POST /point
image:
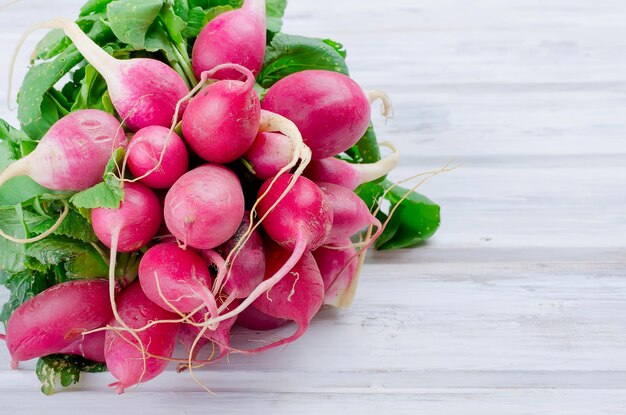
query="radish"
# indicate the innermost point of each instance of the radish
(253, 319)
(131, 226)
(142, 356)
(331, 111)
(269, 153)
(156, 158)
(338, 268)
(236, 37)
(205, 206)
(73, 154)
(247, 263)
(336, 171)
(90, 346)
(54, 320)
(300, 222)
(296, 297)
(220, 123)
(143, 91)
(350, 213)
(175, 279)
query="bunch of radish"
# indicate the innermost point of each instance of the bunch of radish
(216, 251)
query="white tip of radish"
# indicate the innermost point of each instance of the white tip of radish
(386, 108)
(372, 171)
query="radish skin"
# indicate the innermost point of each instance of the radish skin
(55, 319)
(143, 91)
(297, 297)
(183, 279)
(132, 361)
(269, 153)
(73, 154)
(253, 319)
(330, 109)
(221, 121)
(237, 37)
(90, 346)
(135, 223)
(205, 206)
(338, 268)
(351, 176)
(156, 158)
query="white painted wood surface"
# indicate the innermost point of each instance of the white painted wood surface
(518, 306)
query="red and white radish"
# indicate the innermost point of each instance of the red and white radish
(331, 110)
(54, 320)
(269, 153)
(175, 279)
(131, 226)
(143, 91)
(351, 176)
(338, 268)
(236, 36)
(74, 152)
(135, 357)
(350, 213)
(157, 158)
(205, 206)
(221, 121)
(296, 297)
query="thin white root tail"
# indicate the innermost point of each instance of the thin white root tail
(386, 108)
(47, 233)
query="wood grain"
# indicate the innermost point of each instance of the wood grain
(518, 305)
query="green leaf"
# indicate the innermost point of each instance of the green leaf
(108, 194)
(131, 19)
(74, 225)
(94, 7)
(337, 46)
(53, 43)
(415, 220)
(15, 222)
(23, 286)
(367, 147)
(199, 17)
(275, 10)
(289, 54)
(37, 111)
(64, 370)
(92, 90)
(181, 8)
(81, 260)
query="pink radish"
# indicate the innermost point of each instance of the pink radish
(205, 206)
(336, 171)
(299, 219)
(338, 268)
(156, 157)
(90, 346)
(220, 123)
(331, 111)
(253, 319)
(73, 154)
(350, 213)
(131, 226)
(54, 320)
(133, 360)
(236, 37)
(247, 263)
(269, 153)
(175, 279)
(296, 297)
(144, 91)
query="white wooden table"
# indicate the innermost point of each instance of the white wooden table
(518, 305)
